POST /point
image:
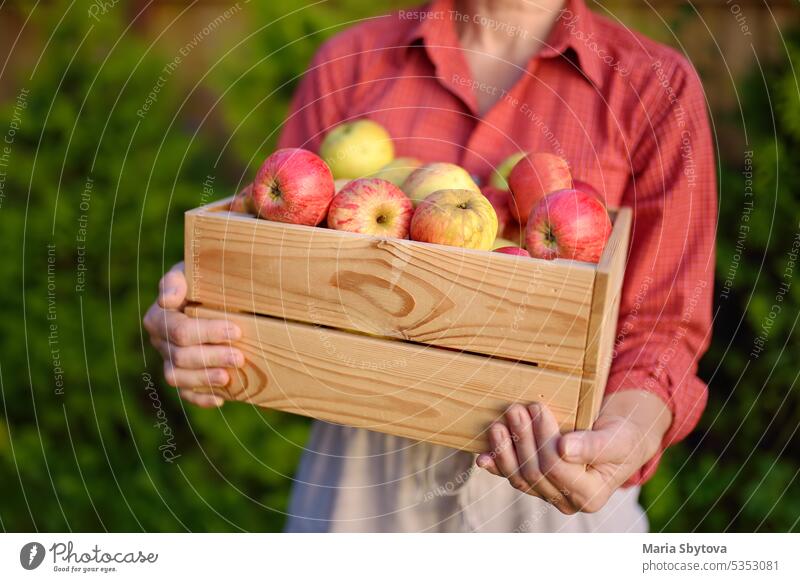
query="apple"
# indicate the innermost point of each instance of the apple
(589, 189)
(293, 185)
(357, 149)
(241, 202)
(371, 206)
(397, 170)
(501, 201)
(568, 224)
(456, 217)
(437, 176)
(512, 250)
(534, 177)
(499, 178)
(515, 233)
(502, 242)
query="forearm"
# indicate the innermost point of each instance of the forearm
(646, 410)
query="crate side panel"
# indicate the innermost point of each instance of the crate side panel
(420, 392)
(482, 302)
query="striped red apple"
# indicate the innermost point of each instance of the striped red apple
(293, 185)
(534, 177)
(371, 206)
(568, 224)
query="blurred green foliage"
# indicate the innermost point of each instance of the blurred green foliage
(739, 470)
(83, 164)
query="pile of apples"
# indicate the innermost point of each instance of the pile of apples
(356, 184)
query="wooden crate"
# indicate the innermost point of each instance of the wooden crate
(446, 337)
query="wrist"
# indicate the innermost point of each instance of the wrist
(648, 413)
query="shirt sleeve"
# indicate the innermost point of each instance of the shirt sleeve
(319, 103)
(664, 325)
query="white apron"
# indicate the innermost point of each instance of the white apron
(354, 480)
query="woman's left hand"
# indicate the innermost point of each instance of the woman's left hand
(577, 471)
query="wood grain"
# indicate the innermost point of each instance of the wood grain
(489, 303)
(603, 321)
(420, 392)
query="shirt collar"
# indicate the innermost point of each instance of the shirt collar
(573, 30)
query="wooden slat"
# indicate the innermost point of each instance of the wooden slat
(489, 303)
(420, 392)
(603, 321)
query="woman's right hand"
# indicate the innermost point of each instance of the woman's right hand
(195, 351)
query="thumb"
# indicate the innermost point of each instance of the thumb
(172, 288)
(592, 447)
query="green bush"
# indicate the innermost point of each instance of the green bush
(739, 470)
(83, 449)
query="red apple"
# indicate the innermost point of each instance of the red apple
(568, 224)
(513, 251)
(589, 189)
(500, 200)
(515, 233)
(293, 185)
(371, 206)
(534, 177)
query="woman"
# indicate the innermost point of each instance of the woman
(470, 82)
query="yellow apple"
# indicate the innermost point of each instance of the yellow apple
(501, 242)
(357, 149)
(437, 176)
(397, 170)
(500, 174)
(461, 218)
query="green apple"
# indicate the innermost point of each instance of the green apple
(397, 170)
(500, 174)
(357, 149)
(437, 176)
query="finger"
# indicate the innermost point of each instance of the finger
(172, 288)
(159, 321)
(485, 461)
(571, 480)
(203, 400)
(546, 433)
(204, 356)
(207, 378)
(505, 456)
(521, 427)
(593, 447)
(184, 331)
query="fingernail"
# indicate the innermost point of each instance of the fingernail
(483, 461)
(232, 332)
(236, 360)
(516, 416)
(219, 379)
(536, 411)
(170, 291)
(572, 447)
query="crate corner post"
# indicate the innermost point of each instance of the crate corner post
(602, 331)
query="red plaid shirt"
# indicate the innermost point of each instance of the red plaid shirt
(627, 113)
